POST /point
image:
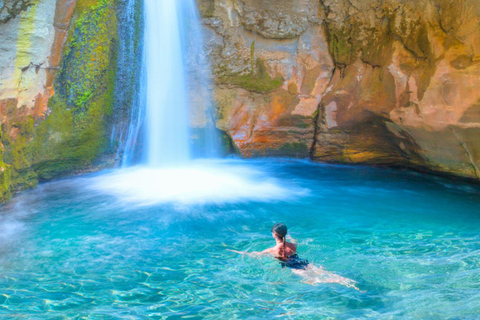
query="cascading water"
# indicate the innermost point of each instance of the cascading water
(159, 164)
(166, 104)
(128, 96)
(174, 65)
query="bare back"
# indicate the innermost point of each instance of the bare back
(290, 249)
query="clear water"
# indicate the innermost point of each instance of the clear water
(72, 248)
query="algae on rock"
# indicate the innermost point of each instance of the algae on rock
(71, 134)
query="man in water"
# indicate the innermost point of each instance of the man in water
(286, 252)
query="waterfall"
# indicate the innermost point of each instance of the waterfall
(174, 65)
(172, 125)
(128, 114)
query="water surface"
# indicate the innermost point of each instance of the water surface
(81, 248)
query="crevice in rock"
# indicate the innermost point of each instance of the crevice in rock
(8, 12)
(400, 39)
(316, 128)
(374, 66)
(475, 167)
(31, 64)
(412, 52)
(326, 9)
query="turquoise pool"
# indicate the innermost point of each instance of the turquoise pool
(76, 248)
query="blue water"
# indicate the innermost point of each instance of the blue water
(412, 243)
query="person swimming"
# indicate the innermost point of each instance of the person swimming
(286, 252)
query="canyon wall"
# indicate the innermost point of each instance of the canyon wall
(342, 81)
(350, 81)
(57, 80)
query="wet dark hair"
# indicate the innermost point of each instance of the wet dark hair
(280, 229)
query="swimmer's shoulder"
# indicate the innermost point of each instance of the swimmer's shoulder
(292, 245)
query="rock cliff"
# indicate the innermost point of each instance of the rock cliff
(350, 81)
(57, 78)
(344, 81)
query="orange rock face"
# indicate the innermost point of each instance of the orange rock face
(272, 67)
(358, 81)
(376, 82)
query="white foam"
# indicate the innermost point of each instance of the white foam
(9, 228)
(200, 182)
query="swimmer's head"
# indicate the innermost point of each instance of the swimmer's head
(279, 229)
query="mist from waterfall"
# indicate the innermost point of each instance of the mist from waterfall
(172, 124)
(175, 69)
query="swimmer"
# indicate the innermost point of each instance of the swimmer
(286, 252)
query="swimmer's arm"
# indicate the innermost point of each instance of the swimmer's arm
(254, 253)
(239, 252)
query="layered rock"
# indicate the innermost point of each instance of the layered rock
(271, 66)
(350, 81)
(57, 67)
(404, 87)
(31, 43)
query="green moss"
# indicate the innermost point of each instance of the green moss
(73, 135)
(340, 48)
(16, 137)
(257, 81)
(88, 55)
(5, 173)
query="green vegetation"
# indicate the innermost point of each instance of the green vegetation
(73, 133)
(4, 176)
(257, 81)
(340, 48)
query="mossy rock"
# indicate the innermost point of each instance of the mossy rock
(256, 81)
(5, 172)
(73, 133)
